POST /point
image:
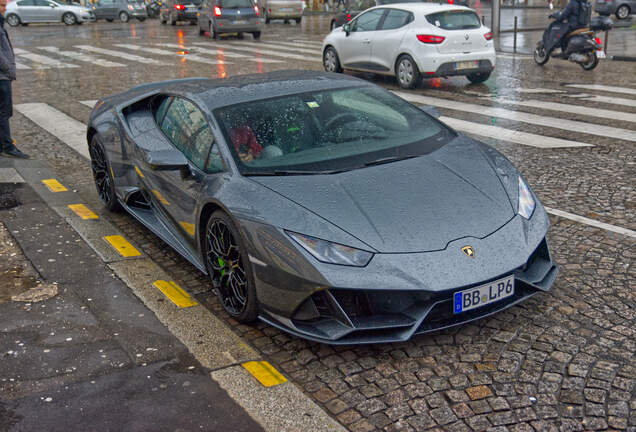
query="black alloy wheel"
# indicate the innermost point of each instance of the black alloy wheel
(622, 12)
(229, 268)
(541, 55)
(124, 17)
(103, 176)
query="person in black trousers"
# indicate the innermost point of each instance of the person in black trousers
(7, 74)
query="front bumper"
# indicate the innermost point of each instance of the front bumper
(342, 316)
(90, 17)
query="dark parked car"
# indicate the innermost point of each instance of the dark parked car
(621, 8)
(230, 16)
(323, 204)
(120, 9)
(173, 11)
(357, 6)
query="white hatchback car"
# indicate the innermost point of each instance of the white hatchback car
(412, 40)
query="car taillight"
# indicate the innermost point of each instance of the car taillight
(256, 10)
(451, 1)
(217, 11)
(488, 35)
(348, 17)
(179, 7)
(431, 39)
(598, 41)
(130, 7)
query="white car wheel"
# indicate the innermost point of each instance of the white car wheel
(69, 18)
(13, 20)
(408, 75)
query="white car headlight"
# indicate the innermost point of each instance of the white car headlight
(332, 253)
(526, 202)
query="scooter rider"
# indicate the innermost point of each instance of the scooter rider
(576, 14)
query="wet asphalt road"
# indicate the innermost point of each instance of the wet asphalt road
(561, 361)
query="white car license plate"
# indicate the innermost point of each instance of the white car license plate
(467, 65)
(191, 9)
(600, 54)
(286, 9)
(239, 22)
(484, 294)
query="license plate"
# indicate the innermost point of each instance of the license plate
(239, 22)
(600, 54)
(191, 9)
(484, 294)
(286, 9)
(467, 65)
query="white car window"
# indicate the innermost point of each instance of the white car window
(368, 21)
(395, 19)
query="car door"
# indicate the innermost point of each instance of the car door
(45, 11)
(26, 9)
(386, 42)
(185, 125)
(109, 9)
(355, 49)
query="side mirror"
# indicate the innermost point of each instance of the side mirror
(347, 28)
(167, 160)
(431, 110)
(53, 5)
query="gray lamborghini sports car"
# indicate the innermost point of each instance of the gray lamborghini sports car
(323, 204)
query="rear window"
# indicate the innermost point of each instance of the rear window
(236, 3)
(455, 20)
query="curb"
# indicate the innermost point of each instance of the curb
(623, 58)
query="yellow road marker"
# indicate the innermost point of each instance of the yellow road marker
(82, 211)
(160, 197)
(122, 246)
(138, 171)
(188, 227)
(54, 185)
(175, 293)
(265, 373)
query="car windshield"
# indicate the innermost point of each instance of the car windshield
(327, 131)
(236, 3)
(454, 20)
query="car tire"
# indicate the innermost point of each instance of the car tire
(103, 175)
(622, 12)
(161, 19)
(256, 35)
(13, 20)
(330, 60)
(109, 19)
(213, 33)
(124, 17)
(25, 24)
(201, 31)
(69, 18)
(298, 20)
(333, 25)
(406, 71)
(229, 268)
(478, 78)
(141, 19)
(240, 35)
(540, 55)
(286, 21)
(592, 63)
(267, 20)
(171, 20)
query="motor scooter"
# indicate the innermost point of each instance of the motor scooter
(581, 45)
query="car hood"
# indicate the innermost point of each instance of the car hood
(415, 205)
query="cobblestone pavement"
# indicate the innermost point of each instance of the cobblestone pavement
(561, 361)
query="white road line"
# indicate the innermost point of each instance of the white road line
(19, 65)
(68, 130)
(514, 57)
(600, 87)
(572, 109)
(308, 42)
(591, 222)
(300, 45)
(509, 135)
(44, 60)
(606, 99)
(83, 57)
(280, 47)
(188, 57)
(89, 103)
(539, 90)
(221, 52)
(553, 122)
(258, 51)
(120, 54)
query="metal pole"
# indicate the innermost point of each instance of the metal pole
(514, 46)
(606, 40)
(483, 20)
(494, 19)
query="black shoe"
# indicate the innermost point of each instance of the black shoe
(13, 152)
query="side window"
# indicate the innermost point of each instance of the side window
(161, 109)
(26, 3)
(395, 19)
(368, 21)
(185, 125)
(215, 161)
(42, 3)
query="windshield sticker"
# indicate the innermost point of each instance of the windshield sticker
(312, 104)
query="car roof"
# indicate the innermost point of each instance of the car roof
(425, 8)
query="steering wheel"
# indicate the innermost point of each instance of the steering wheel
(340, 118)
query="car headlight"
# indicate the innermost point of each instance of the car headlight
(332, 253)
(526, 201)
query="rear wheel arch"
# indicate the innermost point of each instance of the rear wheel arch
(90, 134)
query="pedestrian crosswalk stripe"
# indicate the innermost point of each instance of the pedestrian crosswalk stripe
(308, 42)
(300, 45)
(510, 135)
(89, 103)
(223, 53)
(572, 109)
(120, 54)
(539, 90)
(554, 122)
(611, 89)
(19, 65)
(257, 50)
(606, 99)
(157, 51)
(280, 47)
(66, 129)
(82, 57)
(43, 60)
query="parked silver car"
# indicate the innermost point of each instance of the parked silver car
(37, 11)
(123, 10)
(621, 8)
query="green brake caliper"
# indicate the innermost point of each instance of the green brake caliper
(222, 264)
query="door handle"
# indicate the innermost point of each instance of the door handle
(366, 41)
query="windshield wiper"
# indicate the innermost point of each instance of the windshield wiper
(290, 172)
(389, 160)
